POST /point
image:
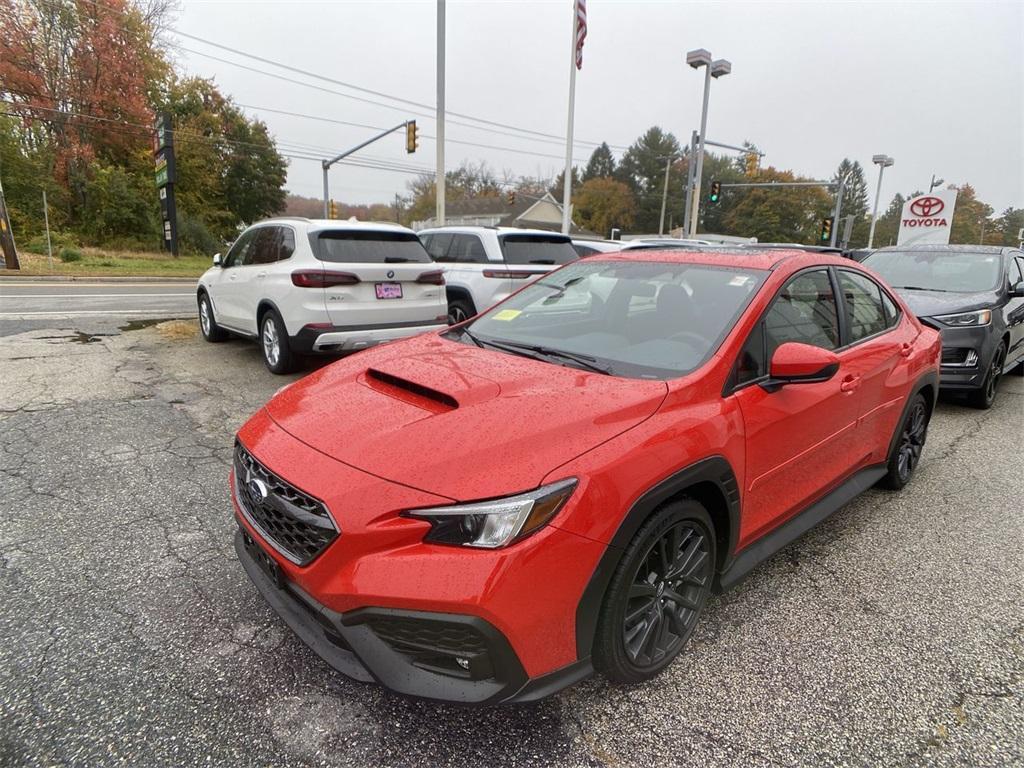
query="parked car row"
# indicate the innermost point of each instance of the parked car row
(303, 286)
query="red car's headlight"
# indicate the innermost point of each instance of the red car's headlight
(495, 523)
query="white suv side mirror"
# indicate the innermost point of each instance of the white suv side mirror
(216, 260)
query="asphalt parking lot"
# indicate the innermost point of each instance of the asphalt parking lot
(890, 635)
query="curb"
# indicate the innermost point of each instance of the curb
(14, 278)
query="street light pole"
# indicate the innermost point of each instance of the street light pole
(883, 162)
(664, 196)
(697, 59)
(935, 183)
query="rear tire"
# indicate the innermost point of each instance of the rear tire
(906, 453)
(207, 323)
(460, 309)
(656, 594)
(984, 397)
(277, 352)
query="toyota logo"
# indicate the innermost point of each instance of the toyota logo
(927, 206)
(391, 273)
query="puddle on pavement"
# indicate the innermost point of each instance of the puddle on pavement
(138, 325)
(78, 337)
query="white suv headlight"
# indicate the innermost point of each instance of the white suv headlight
(495, 523)
(966, 319)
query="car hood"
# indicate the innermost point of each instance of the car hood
(932, 303)
(459, 421)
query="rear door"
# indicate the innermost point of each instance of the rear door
(378, 278)
(875, 342)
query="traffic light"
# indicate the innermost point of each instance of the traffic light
(412, 137)
(510, 197)
(826, 229)
(333, 210)
(716, 192)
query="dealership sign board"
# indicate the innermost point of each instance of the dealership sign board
(927, 219)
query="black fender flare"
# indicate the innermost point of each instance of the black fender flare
(714, 470)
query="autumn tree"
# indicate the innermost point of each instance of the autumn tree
(970, 216)
(783, 214)
(467, 181)
(602, 203)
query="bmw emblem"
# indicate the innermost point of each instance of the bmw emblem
(391, 273)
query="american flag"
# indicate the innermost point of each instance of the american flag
(581, 30)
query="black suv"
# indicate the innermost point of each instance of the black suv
(974, 295)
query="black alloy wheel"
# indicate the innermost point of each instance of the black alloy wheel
(657, 593)
(984, 397)
(910, 441)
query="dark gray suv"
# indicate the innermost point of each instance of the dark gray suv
(973, 295)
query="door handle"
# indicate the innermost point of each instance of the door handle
(232, 276)
(849, 384)
(261, 274)
(906, 348)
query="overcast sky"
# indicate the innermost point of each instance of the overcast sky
(938, 86)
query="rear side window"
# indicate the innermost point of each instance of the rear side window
(367, 247)
(272, 244)
(537, 249)
(467, 248)
(865, 313)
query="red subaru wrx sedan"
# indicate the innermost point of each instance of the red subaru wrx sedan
(490, 513)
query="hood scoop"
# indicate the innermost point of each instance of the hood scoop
(419, 395)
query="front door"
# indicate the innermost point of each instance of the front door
(226, 290)
(801, 437)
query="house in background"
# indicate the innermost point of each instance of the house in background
(526, 213)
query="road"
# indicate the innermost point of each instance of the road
(93, 307)
(889, 635)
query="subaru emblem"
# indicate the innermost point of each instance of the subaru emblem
(257, 489)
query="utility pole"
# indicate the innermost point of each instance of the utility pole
(687, 208)
(46, 221)
(439, 171)
(664, 196)
(7, 236)
(835, 213)
(398, 209)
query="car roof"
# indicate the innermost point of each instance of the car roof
(476, 228)
(748, 258)
(956, 248)
(336, 224)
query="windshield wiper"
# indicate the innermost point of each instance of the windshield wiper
(465, 332)
(559, 289)
(584, 360)
(919, 288)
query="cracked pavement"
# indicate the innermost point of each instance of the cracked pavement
(889, 635)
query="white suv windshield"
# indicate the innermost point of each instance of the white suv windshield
(634, 319)
(949, 271)
(537, 249)
(367, 247)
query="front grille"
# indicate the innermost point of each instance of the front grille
(296, 524)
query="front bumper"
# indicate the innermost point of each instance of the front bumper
(957, 345)
(312, 340)
(445, 656)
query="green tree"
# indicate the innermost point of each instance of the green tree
(602, 203)
(557, 188)
(1009, 226)
(118, 204)
(888, 225)
(601, 164)
(784, 214)
(642, 169)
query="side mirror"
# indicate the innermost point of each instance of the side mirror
(1017, 291)
(217, 260)
(795, 363)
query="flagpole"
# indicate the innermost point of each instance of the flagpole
(567, 178)
(439, 177)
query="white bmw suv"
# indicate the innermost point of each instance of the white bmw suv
(303, 286)
(483, 265)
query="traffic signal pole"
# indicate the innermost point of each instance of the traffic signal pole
(326, 164)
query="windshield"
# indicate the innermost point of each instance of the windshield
(625, 318)
(951, 271)
(342, 246)
(537, 249)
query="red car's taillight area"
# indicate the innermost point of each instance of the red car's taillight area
(435, 277)
(319, 278)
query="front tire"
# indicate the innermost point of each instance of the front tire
(656, 594)
(277, 352)
(207, 323)
(906, 454)
(985, 397)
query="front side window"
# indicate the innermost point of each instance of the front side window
(347, 246)
(943, 271)
(862, 301)
(537, 249)
(654, 320)
(239, 255)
